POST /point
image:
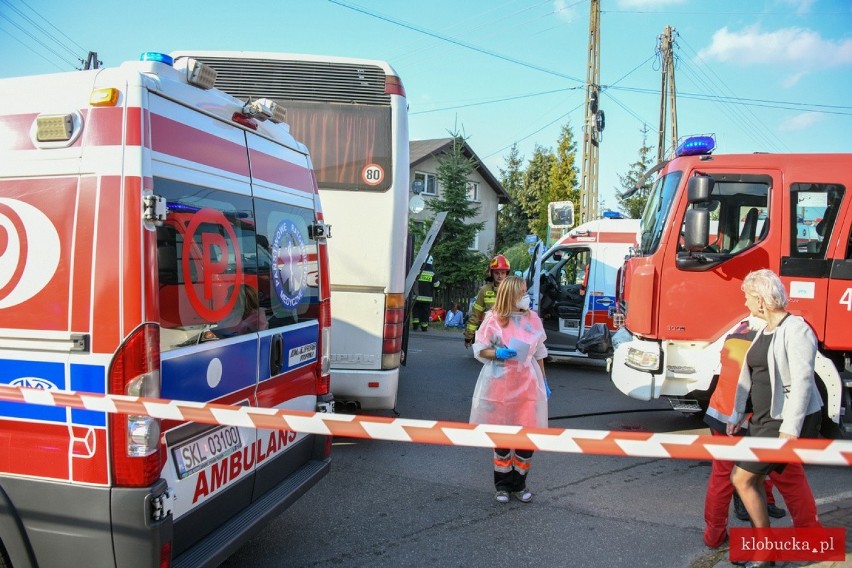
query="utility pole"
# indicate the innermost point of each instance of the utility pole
(593, 123)
(667, 93)
(92, 61)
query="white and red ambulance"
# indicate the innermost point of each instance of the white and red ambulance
(577, 279)
(157, 238)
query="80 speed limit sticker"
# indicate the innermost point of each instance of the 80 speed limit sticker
(372, 174)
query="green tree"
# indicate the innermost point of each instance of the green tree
(512, 222)
(633, 205)
(563, 175)
(454, 262)
(537, 189)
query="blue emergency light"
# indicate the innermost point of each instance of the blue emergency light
(158, 57)
(696, 146)
(612, 215)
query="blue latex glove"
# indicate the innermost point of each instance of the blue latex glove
(505, 353)
(547, 389)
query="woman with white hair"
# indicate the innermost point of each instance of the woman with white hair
(778, 377)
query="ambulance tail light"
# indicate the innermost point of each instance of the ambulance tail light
(324, 364)
(135, 440)
(393, 328)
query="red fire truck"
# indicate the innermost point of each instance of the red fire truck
(709, 221)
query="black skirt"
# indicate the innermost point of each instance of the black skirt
(769, 429)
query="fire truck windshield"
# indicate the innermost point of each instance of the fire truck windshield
(657, 211)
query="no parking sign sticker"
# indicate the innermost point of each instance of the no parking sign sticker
(211, 260)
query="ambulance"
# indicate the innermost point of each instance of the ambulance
(158, 238)
(577, 278)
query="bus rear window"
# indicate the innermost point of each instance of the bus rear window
(350, 144)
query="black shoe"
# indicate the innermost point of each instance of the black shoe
(775, 512)
(739, 509)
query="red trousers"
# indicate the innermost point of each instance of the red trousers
(791, 483)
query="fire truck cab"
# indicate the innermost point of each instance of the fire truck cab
(158, 238)
(709, 221)
(577, 278)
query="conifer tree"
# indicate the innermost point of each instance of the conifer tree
(512, 222)
(634, 205)
(537, 189)
(453, 260)
(563, 176)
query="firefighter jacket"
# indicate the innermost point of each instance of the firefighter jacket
(484, 301)
(426, 283)
(732, 359)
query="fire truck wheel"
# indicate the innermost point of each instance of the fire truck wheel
(830, 429)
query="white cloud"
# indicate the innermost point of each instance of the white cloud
(563, 11)
(800, 48)
(800, 122)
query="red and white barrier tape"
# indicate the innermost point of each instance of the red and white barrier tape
(603, 442)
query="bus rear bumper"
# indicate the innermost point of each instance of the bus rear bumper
(370, 390)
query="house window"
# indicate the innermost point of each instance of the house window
(472, 191)
(474, 244)
(428, 182)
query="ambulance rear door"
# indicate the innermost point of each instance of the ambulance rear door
(208, 298)
(286, 271)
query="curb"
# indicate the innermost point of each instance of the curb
(837, 514)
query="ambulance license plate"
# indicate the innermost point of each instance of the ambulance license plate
(201, 451)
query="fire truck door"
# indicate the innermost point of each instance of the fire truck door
(838, 317)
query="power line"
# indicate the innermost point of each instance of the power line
(458, 42)
(742, 111)
(35, 39)
(499, 100)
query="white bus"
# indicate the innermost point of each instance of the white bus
(353, 116)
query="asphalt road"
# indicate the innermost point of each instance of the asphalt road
(400, 504)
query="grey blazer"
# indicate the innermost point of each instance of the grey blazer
(792, 354)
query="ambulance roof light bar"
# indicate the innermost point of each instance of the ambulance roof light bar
(263, 109)
(197, 73)
(157, 57)
(696, 145)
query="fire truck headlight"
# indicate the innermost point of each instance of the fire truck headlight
(643, 360)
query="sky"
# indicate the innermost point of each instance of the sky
(761, 75)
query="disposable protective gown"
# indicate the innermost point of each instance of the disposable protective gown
(510, 391)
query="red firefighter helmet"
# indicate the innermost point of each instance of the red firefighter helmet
(499, 262)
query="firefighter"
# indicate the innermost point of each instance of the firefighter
(426, 284)
(498, 270)
(791, 483)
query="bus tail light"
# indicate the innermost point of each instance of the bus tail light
(392, 331)
(135, 440)
(393, 86)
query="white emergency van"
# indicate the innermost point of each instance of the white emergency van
(577, 281)
(158, 238)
